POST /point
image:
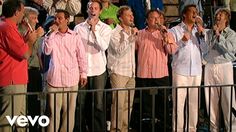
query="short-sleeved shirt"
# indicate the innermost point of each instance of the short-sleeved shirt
(13, 67)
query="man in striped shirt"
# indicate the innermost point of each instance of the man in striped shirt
(121, 66)
(68, 66)
(153, 45)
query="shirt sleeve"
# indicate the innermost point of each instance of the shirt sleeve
(47, 45)
(171, 47)
(82, 58)
(120, 43)
(227, 43)
(102, 37)
(15, 43)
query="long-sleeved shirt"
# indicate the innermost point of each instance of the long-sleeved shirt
(152, 54)
(187, 60)
(95, 44)
(68, 58)
(220, 50)
(121, 53)
(72, 6)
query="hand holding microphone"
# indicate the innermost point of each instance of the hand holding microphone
(134, 30)
(216, 30)
(52, 28)
(92, 22)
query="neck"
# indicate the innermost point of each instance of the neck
(189, 25)
(125, 27)
(151, 29)
(63, 30)
(105, 4)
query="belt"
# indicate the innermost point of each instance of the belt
(34, 68)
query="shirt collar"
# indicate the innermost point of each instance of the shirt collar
(68, 31)
(10, 22)
(87, 25)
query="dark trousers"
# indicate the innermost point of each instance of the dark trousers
(94, 108)
(158, 98)
(33, 101)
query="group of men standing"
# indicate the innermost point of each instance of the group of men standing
(79, 57)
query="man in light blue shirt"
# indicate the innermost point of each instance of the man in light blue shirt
(187, 70)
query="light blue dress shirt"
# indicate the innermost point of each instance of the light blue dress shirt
(187, 60)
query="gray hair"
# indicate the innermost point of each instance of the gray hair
(30, 10)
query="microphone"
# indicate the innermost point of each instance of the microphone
(49, 32)
(161, 28)
(132, 25)
(26, 20)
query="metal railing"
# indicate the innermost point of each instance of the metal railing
(138, 120)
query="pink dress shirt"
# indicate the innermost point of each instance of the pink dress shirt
(152, 54)
(68, 59)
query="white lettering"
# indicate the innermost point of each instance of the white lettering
(32, 121)
(11, 121)
(22, 121)
(41, 123)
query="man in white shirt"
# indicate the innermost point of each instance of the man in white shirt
(121, 66)
(95, 36)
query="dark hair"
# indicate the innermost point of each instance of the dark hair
(10, 7)
(151, 11)
(97, 1)
(186, 9)
(66, 13)
(122, 9)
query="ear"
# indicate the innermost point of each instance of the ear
(120, 19)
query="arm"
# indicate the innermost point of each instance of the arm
(73, 7)
(102, 37)
(120, 43)
(82, 61)
(170, 46)
(227, 43)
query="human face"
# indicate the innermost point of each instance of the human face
(153, 19)
(190, 15)
(162, 19)
(60, 20)
(94, 9)
(20, 13)
(221, 19)
(33, 19)
(127, 18)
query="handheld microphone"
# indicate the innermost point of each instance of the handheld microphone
(161, 28)
(27, 22)
(49, 32)
(132, 25)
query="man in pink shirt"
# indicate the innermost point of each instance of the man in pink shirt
(153, 45)
(68, 66)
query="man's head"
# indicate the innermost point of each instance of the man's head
(222, 17)
(13, 9)
(153, 18)
(40, 2)
(94, 8)
(189, 13)
(62, 18)
(125, 15)
(31, 15)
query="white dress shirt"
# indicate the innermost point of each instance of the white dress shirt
(121, 53)
(95, 45)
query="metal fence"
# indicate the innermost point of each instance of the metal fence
(160, 116)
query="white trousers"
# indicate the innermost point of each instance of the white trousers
(220, 74)
(178, 105)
